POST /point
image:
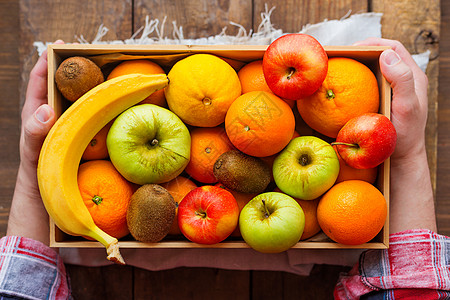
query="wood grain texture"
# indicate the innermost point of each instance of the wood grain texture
(199, 19)
(416, 24)
(443, 147)
(9, 108)
(292, 15)
(49, 21)
(191, 283)
(280, 285)
(110, 282)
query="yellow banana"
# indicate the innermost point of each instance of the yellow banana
(65, 143)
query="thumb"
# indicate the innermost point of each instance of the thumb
(34, 132)
(398, 74)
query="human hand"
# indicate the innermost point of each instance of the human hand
(28, 217)
(412, 204)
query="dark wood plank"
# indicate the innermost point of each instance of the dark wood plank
(291, 16)
(9, 108)
(282, 285)
(191, 283)
(443, 146)
(318, 285)
(200, 18)
(417, 24)
(111, 282)
(49, 21)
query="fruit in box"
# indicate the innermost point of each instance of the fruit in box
(295, 65)
(149, 144)
(259, 123)
(77, 75)
(366, 141)
(208, 215)
(349, 90)
(241, 172)
(306, 168)
(202, 88)
(151, 213)
(352, 212)
(271, 222)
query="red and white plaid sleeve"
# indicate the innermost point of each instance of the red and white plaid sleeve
(416, 266)
(31, 270)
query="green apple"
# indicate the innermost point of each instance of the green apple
(272, 222)
(149, 144)
(306, 168)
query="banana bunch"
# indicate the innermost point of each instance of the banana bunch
(65, 143)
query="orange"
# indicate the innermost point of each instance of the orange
(142, 66)
(348, 173)
(270, 159)
(349, 90)
(242, 199)
(97, 146)
(178, 188)
(252, 79)
(352, 212)
(259, 123)
(207, 144)
(311, 223)
(201, 89)
(106, 194)
(310, 210)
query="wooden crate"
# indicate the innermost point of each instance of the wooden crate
(107, 56)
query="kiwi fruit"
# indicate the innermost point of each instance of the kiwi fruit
(150, 213)
(76, 75)
(241, 172)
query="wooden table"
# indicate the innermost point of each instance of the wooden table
(420, 25)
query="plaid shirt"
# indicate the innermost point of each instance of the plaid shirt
(31, 270)
(416, 266)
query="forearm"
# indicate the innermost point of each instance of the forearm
(28, 217)
(411, 197)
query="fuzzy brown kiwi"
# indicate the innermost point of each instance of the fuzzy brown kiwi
(241, 172)
(76, 75)
(151, 213)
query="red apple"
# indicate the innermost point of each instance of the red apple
(295, 65)
(242, 199)
(208, 215)
(366, 141)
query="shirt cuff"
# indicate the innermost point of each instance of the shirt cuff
(31, 270)
(416, 259)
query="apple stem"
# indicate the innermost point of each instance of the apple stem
(154, 142)
(291, 72)
(344, 144)
(266, 211)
